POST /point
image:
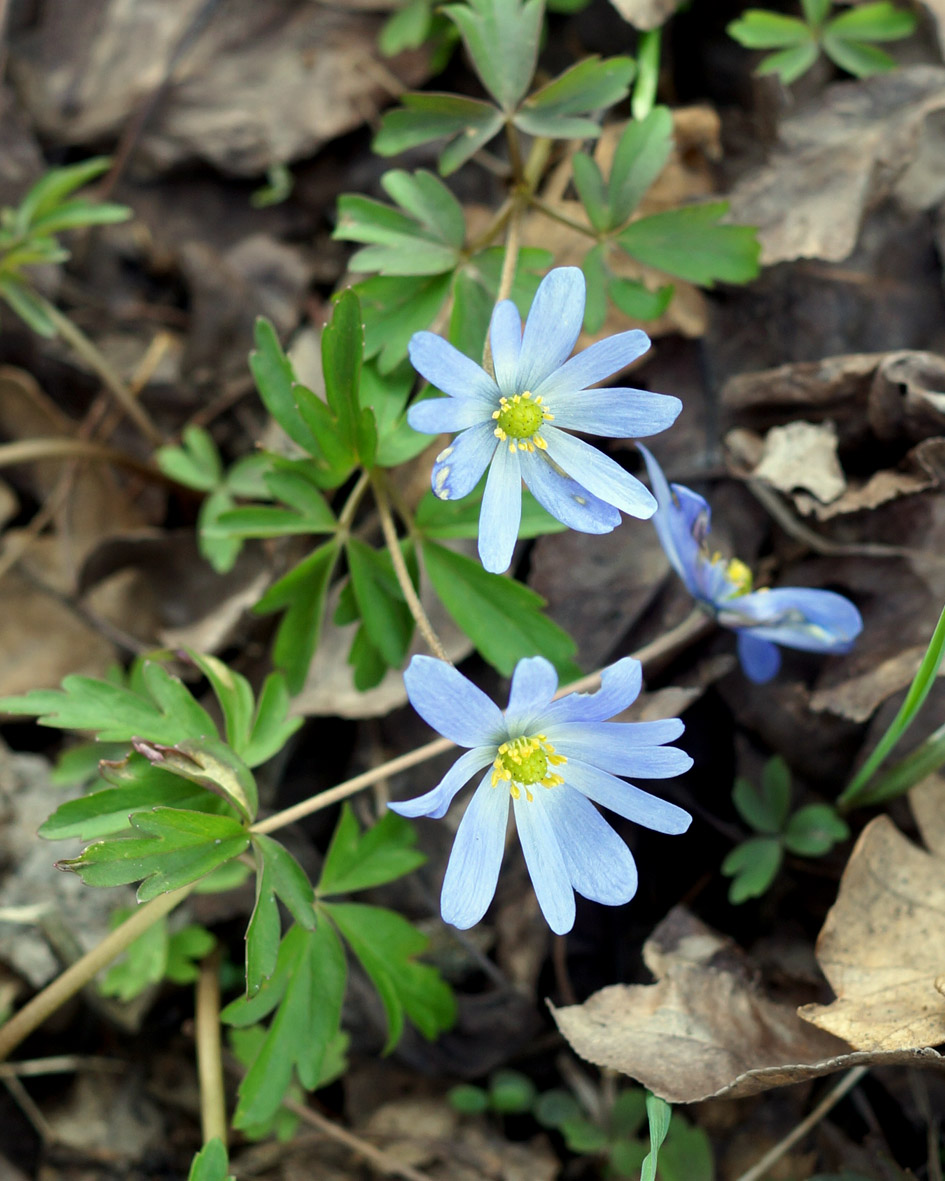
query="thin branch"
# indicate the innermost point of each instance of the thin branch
(31, 450)
(376, 1157)
(548, 211)
(213, 1122)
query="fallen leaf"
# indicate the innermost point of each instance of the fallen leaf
(705, 1029)
(803, 455)
(646, 14)
(881, 943)
(859, 697)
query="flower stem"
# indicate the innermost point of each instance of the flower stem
(548, 211)
(74, 336)
(209, 1049)
(83, 971)
(400, 568)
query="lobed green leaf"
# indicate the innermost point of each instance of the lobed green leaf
(358, 860)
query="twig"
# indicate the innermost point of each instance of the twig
(375, 1156)
(64, 987)
(830, 1100)
(213, 1121)
(400, 568)
(31, 450)
(61, 1064)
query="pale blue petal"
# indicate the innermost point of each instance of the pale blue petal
(436, 416)
(567, 500)
(436, 802)
(599, 474)
(552, 327)
(599, 864)
(505, 340)
(459, 467)
(501, 511)
(623, 748)
(451, 371)
(596, 363)
(681, 520)
(796, 616)
(545, 861)
(534, 683)
(473, 869)
(620, 686)
(626, 800)
(614, 413)
(451, 704)
(760, 659)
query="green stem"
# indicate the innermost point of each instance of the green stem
(83, 971)
(400, 568)
(213, 1121)
(537, 203)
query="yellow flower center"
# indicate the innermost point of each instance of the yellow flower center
(522, 762)
(518, 421)
(739, 574)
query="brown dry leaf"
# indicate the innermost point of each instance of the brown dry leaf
(705, 1029)
(646, 14)
(865, 141)
(803, 455)
(859, 697)
(255, 85)
(21, 161)
(881, 943)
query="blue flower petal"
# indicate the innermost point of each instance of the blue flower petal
(473, 869)
(626, 800)
(623, 748)
(599, 864)
(615, 413)
(451, 371)
(567, 500)
(505, 340)
(501, 511)
(545, 861)
(435, 416)
(599, 474)
(760, 659)
(459, 467)
(681, 521)
(603, 359)
(534, 683)
(620, 686)
(451, 704)
(552, 327)
(436, 802)
(796, 616)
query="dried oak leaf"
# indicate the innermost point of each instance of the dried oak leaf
(705, 1029)
(881, 944)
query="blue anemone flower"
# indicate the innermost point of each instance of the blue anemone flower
(505, 422)
(551, 759)
(792, 616)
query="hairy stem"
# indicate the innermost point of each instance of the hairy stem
(209, 1050)
(64, 987)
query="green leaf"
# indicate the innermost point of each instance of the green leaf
(53, 188)
(640, 157)
(628, 1113)
(144, 962)
(220, 550)
(386, 944)
(753, 865)
(178, 848)
(815, 11)
(234, 694)
(272, 727)
(583, 1137)
(501, 37)
(590, 187)
(554, 1108)
(168, 714)
(502, 617)
(187, 947)
(275, 380)
(425, 242)
(195, 464)
(757, 28)
(368, 665)
(659, 1113)
(308, 985)
(790, 64)
(872, 22)
(467, 122)
(857, 57)
(407, 28)
(74, 215)
(277, 874)
(27, 305)
(511, 1092)
(357, 861)
(426, 199)
(394, 309)
(922, 682)
(211, 1163)
(80, 764)
(467, 1100)
(813, 830)
(687, 1154)
(386, 395)
(765, 809)
(302, 593)
(441, 519)
(649, 45)
(385, 615)
(926, 759)
(636, 300)
(591, 85)
(209, 763)
(627, 1156)
(595, 271)
(342, 352)
(690, 244)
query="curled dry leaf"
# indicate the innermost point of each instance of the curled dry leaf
(803, 455)
(881, 944)
(705, 1029)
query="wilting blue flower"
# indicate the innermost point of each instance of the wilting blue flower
(551, 759)
(793, 616)
(504, 423)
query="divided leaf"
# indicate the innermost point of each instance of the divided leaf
(501, 37)
(358, 860)
(468, 123)
(591, 85)
(278, 874)
(690, 243)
